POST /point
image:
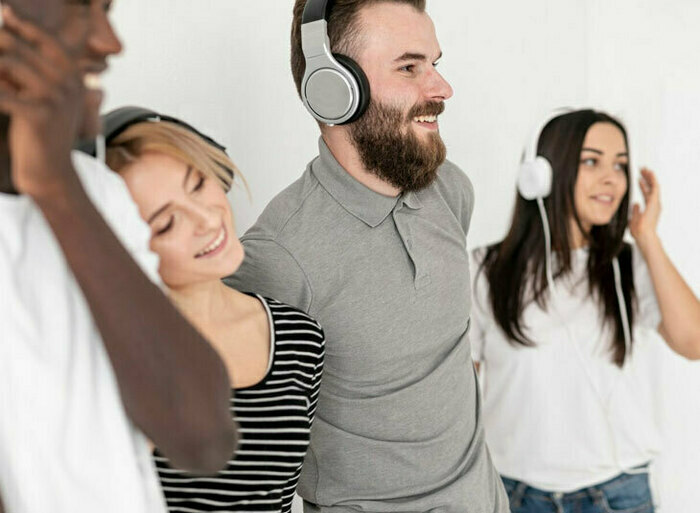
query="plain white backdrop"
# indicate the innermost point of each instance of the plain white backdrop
(223, 65)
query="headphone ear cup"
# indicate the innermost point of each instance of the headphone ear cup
(362, 82)
(535, 178)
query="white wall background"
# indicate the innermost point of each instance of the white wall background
(223, 65)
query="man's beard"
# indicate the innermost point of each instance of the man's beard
(390, 149)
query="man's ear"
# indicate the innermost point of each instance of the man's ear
(48, 14)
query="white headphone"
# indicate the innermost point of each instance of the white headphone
(535, 174)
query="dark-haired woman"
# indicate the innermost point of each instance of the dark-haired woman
(567, 405)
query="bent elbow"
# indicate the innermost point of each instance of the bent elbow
(692, 347)
(694, 354)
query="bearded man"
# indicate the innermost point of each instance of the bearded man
(371, 241)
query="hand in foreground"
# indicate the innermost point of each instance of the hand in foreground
(41, 89)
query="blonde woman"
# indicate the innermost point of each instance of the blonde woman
(274, 353)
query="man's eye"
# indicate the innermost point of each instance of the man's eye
(408, 68)
(166, 227)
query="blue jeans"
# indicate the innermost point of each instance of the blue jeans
(626, 493)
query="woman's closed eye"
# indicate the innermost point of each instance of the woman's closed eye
(200, 183)
(165, 228)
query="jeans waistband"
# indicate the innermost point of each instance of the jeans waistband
(594, 492)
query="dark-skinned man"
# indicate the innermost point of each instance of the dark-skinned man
(94, 359)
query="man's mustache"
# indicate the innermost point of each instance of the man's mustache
(427, 109)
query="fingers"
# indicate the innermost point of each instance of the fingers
(649, 186)
(12, 45)
(33, 65)
(28, 83)
(11, 105)
(634, 219)
(636, 210)
(44, 50)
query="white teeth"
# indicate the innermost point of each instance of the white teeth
(92, 81)
(425, 119)
(214, 245)
(604, 197)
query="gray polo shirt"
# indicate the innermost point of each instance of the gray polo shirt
(398, 426)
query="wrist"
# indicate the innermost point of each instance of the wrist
(60, 186)
(649, 243)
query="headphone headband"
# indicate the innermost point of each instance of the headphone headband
(316, 10)
(531, 149)
(115, 122)
(119, 120)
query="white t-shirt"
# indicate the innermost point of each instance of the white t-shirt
(66, 444)
(545, 423)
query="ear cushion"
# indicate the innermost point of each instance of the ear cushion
(362, 82)
(535, 178)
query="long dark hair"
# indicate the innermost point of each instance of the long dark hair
(515, 267)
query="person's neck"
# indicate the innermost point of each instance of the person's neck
(338, 141)
(204, 303)
(6, 185)
(577, 239)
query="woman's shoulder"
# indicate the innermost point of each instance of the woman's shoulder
(289, 316)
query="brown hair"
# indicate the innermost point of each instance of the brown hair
(343, 30)
(175, 141)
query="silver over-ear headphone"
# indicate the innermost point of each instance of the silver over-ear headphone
(334, 88)
(535, 175)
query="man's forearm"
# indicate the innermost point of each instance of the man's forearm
(173, 384)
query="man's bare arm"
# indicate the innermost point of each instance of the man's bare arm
(173, 384)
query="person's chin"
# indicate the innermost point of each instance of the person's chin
(602, 220)
(234, 262)
(92, 125)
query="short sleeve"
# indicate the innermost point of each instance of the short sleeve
(317, 375)
(270, 270)
(648, 313)
(479, 317)
(454, 185)
(108, 192)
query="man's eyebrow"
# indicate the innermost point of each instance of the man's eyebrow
(413, 56)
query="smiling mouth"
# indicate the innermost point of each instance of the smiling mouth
(215, 245)
(426, 121)
(604, 198)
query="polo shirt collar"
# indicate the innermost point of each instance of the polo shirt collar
(360, 201)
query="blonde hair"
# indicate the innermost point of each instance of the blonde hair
(175, 141)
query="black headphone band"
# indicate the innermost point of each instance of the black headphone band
(119, 120)
(316, 10)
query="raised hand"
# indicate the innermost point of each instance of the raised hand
(41, 88)
(643, 223)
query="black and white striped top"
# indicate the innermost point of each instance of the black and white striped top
(274, 419)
